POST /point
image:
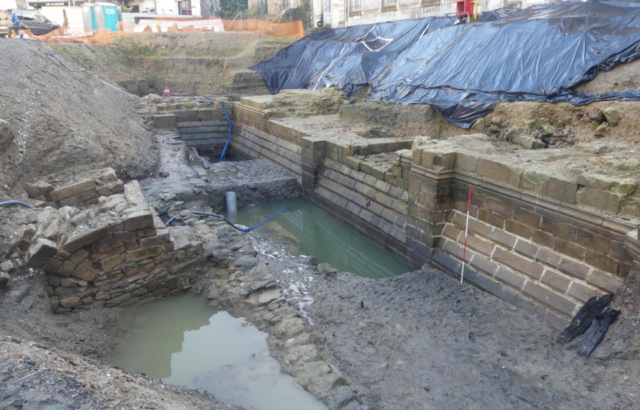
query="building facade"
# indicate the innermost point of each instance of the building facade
(345, 13)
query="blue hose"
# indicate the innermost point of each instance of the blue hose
(226, 115)
(15, 203)
(237, 227)
(229, 222)
(171, 220)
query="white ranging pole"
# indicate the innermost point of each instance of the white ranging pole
(466, 233)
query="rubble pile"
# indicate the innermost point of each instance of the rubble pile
(116, 252)
(77, 192)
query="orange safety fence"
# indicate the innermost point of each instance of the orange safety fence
(294, 29)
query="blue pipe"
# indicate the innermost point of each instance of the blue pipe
(237, 227)
(226, 115)
(171, 220)
(15, 203)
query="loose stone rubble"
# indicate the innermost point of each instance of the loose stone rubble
(114, 252)
(56, 192)
(244, 285)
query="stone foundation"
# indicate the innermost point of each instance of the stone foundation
(535, 246)
(254, 136)
(543, 241)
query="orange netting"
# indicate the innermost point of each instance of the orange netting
(293, 29)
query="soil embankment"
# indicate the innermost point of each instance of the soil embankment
(61, 119)
(188, 63)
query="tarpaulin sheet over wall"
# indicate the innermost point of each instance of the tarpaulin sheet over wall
(463, 70)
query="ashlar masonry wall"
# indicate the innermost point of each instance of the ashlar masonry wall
(534, 246)
(254, 136)
(543, 242)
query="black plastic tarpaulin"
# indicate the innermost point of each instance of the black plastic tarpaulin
(537, 54)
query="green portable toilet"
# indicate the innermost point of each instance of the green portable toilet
(100, 17)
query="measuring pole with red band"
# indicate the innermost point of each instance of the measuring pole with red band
(466, 233)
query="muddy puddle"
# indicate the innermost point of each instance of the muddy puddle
(185, 342)
(309, 231)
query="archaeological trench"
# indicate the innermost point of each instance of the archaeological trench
(115, 294)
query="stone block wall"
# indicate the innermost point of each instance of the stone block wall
(370, 206)
(256, 137)
(170, 115)
(540, 251)
(57, 193)
(540, 239)
(117, 253)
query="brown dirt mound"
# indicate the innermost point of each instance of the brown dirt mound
(624, 77)
(60, 119)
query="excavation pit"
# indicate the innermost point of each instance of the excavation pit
(184, 342)
(305, 230)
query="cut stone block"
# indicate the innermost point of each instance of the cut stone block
(499, 172)
(70, 302)
(41, 252)
(143, 253)
(52, 266)
(109, 175)
(39, 189)
(78, 199)
(138, 220)
(111, 263)
(86, 238)
(72, 190)
(603, 200)
(84, 271)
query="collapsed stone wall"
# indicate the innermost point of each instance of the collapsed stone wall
(116, 252)
(85, 191)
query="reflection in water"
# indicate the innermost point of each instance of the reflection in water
(309, 231)
(183, 341)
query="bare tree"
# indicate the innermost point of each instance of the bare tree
(210, 8)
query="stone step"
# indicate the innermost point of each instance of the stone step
(197, 124)
(204, 143)
(207, 136)
(245, 78)
(204, 130)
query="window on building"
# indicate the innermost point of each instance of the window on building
(184, 8)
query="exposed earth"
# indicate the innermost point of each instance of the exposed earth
(422, 341)
(415, 341)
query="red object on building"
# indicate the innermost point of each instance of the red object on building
(167, 92)
(464, 8)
